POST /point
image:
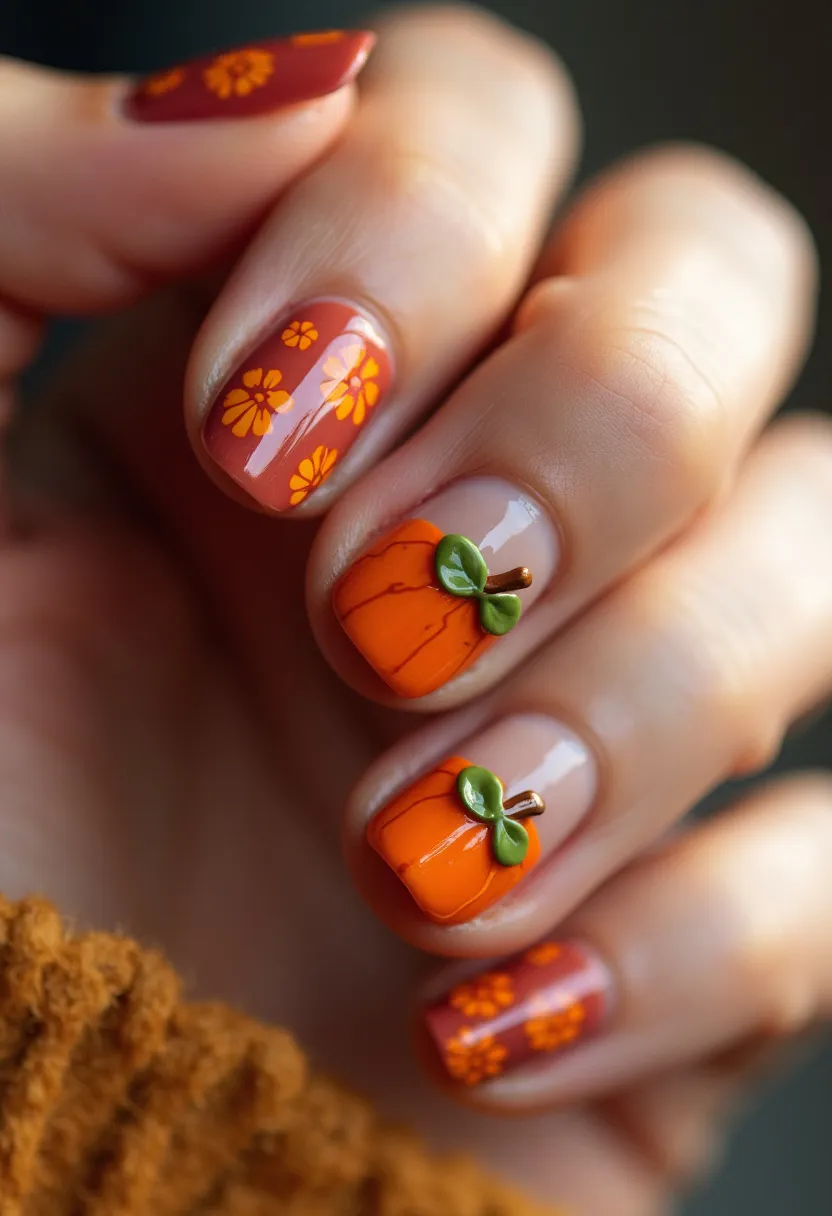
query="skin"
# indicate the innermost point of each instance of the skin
(164, 702)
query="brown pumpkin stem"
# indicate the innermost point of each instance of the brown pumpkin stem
(523, 806)
(513, 580)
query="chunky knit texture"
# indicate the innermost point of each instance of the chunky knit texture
(118, 1099)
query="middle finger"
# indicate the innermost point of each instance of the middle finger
(618, 410)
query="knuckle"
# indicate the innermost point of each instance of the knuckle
(765, 966)
(422, 192)
(707, 664)
(664, 407)
(766, 229)
(465, 34)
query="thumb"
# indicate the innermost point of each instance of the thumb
(107, 187)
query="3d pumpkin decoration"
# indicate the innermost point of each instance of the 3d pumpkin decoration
(455, 842)
(421, 606)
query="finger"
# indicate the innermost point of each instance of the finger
(617, 412)
(104, 190)
(687, 674)
(725, 933)
(379, 278)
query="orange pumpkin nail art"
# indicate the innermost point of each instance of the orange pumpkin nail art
(421, 606)
(541, 1002)
(457, 855)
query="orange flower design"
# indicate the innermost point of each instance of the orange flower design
(483, 997)
(300, 333)
(471, 1059)
(550, 1029)
(311, 472)
(542, 954)
(164, 82)
(238, 73)
(250, 408)
(321, 38)
(350, 383)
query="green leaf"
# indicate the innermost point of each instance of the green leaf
(511, 842)
(460, 567)
(481, 792)
(499, 613)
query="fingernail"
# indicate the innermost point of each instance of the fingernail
(252, 79)
(298, 402)
(449, 852)
(419, 627)
(536, 1004)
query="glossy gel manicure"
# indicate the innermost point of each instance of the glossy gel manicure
(544, 1001)
(429, 598)
(463, 835)
(252, 80)
(295, 406)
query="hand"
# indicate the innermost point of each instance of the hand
(176, 753)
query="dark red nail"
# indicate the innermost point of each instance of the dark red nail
(298, 402)
(540, 1002)
(252, 79)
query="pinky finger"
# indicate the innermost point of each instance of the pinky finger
(723, 935)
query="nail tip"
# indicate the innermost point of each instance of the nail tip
(269, 75)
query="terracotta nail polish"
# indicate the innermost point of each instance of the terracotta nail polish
(252, 79)
(426, 600)
(298, 402)
(538, 1003)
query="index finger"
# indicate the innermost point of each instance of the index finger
(384, 272)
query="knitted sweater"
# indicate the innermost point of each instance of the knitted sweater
(118, 1098)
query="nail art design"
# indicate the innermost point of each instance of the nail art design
(457, 852)
(481, 793)
(252, 80)
(299, 402)
(461, 570)
(421, 606)
(540, 1002)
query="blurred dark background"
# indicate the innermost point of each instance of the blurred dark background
(751, 78)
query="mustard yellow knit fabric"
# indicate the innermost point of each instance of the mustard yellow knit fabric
(119, 1098)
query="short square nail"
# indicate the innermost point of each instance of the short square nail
(253, 79)
(463, 835)
(294, 407)
(536, 1004)
(428, 598)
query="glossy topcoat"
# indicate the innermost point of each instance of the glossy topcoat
(252, 79)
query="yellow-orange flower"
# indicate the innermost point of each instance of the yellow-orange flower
(238, 73)
(300, 333)
(350, 382)
(542, 954)
(471, 1059)
(251, 408)
(483, 997)
(551, 1029)
(321, 38)
(164, 82)
(311, 472)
